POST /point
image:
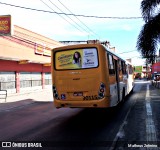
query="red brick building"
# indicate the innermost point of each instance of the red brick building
(25, 61)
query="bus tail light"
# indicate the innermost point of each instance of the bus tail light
(55, 93)
(101, 91)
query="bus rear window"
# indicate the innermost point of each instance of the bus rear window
(76, 59)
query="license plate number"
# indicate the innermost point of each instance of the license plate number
(78, 94)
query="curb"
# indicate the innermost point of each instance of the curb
(19, 100)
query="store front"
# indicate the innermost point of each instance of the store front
(25, 61)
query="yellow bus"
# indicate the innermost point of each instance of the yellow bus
(89, 75)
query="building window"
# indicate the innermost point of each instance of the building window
(130, 69)
(29, 79)
(48, 79)
(7, 80)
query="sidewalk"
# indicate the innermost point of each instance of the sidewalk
(156, 84)
(27, 98)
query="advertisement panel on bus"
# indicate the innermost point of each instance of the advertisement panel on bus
(76, 59)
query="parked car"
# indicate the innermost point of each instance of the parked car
(157, 77)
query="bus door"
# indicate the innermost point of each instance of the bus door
(117, 78)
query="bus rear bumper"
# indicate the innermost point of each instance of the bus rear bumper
(103, 103)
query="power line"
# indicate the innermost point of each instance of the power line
(61, 16)
(78, 19)
(127, 52)
(68, 16)
(40, 10)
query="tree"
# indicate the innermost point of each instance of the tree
(149, 36)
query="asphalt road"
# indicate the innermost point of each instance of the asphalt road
(133, 124)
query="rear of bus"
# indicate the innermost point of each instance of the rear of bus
(77, 76)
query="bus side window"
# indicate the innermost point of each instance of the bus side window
(130, 69)
(120, 65)
(124, 67)
(111, 64)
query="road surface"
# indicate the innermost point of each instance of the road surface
(134, 124)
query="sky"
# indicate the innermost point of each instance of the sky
(121, 33)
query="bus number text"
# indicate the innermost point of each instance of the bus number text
(93, 97)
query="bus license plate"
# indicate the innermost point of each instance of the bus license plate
(78, 94)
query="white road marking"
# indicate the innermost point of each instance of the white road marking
(121, 132)
(155, 96)
(150, 126)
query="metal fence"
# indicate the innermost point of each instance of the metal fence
(7, 85)
(7, 81)
(30, 83)
(27, 80)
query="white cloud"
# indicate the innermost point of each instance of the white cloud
(55, 27)
(108, 8)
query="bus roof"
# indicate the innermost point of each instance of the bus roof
(88, 45)
(112, 52)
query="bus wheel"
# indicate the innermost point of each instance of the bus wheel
(131, 92)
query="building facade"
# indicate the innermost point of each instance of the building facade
(156, 65)
(25, 61)
(142, 72)
(157, 58)
(156, 68)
